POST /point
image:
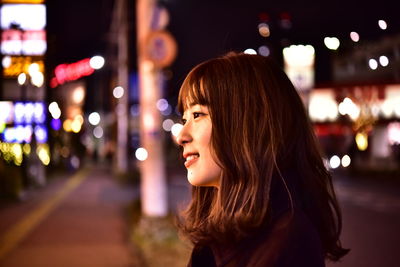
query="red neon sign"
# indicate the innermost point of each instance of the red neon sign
(70, 72)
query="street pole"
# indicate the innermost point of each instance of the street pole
(122, 104)
(153, 178)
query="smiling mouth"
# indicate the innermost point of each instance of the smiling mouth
(191, 159)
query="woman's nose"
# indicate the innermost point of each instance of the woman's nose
(183, 136)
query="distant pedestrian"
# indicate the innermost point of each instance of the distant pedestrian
(261, 194)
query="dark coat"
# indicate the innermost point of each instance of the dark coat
(290, 240)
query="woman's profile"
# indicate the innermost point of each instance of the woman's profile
(261, 195)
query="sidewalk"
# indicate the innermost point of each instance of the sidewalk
(80, 220)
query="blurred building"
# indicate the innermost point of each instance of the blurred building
(24, 150)
(357, 117)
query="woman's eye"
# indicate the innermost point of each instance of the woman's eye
(197, 114)
(183, 121)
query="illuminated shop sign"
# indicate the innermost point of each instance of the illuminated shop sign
(25, 16)
(22, 1)
(23, 133)
(70, 72)
(7, 110)
(15, 42)
(299, 65)
(15, 65)
(22, 113)
(24, 119)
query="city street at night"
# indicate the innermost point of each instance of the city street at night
(123, 121)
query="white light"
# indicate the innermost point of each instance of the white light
(33, 68)
(94, 118)
(299, 55)
(29, 112)
(355, 37)
(21, 78)
(332, 43)
(350, 108)
(334, 162)
(28, 17)
(98, 132)
(382, 24)
(96, 62)
(323, 106)
(162, 104)
(78, 94)
(54, 110)
(394, 133)
(39, 113)
(176, 129)
(6, 113)
(118, 92)
(53, 106)
(384, 61)
(264, 51)
(167, 125)
(56, 114)
(250, 51)
(373, 64)
(141, 154)
(346, 161)
(37, 79)
(6, 62)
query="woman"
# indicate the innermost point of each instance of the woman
(261, 195)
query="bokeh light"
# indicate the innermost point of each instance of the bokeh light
(263, 29)
(332, 43)
(334, 162)
(98, 132)
(96, 62)
(382, 24)
(94, 118)
(264, 51)
(250, 51)
(355, 37)
(141, 154)
(346, 161)
(362, 141)
(118, 92)
(167, 124)
(373, 64)
(176, 129)
(384, 61)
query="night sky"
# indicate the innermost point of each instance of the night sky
(208, 28)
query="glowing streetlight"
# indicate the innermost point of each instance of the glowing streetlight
(96, 62)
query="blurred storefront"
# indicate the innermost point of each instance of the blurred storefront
(359, 116)
(24, 149)
(360, 123)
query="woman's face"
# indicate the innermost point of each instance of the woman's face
(195, 138)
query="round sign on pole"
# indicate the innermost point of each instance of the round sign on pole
(160, 48)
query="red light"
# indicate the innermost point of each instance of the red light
(70, 72)
(263, 17)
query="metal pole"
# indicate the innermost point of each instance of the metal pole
(122, 105)
(153, 180)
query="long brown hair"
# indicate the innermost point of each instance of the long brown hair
(260, 128)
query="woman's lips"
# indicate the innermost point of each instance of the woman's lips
(191, 159)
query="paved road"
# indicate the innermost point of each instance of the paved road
(371, 222)
(75, 221)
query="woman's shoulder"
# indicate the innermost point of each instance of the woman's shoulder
(291, 240)
(296, 240)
